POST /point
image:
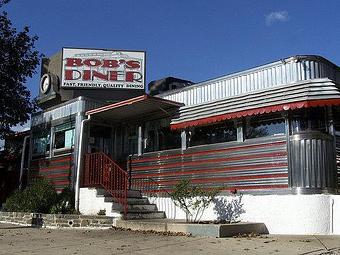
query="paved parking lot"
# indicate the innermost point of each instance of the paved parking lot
(25, 240)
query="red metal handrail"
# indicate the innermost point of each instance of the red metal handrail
(101, 170)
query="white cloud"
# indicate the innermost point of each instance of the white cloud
(280, 16)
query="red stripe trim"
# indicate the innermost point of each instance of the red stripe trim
(67, 167)
(194, 163)
(233, 188)
(256, 111)
(132, 101)
(280, 186)
(53, 182)
(211, 170)
(49, 161)
(52, 176)
(245, 147)
(122, 103)
(212, 180)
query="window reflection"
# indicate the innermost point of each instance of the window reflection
(41, 143)
(312, 119)
(218, 133)
(158, 136)
(264, 126)
(64, 136)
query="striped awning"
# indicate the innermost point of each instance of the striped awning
(312, 93)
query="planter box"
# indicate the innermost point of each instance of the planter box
(212, 230)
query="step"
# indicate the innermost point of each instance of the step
(130, 193)
(149, 207)
(130, 200)
(135, 207)
(134, 194)
(136, 215)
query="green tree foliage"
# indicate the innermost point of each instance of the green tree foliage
(193, 200)
(18, 60)
(39, 197)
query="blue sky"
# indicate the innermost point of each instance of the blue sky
(194, 40)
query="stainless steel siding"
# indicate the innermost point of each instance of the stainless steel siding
(312, 90)
(312, 162)
(267, 76)
(257, 164)
(337, 137)
(73, 107)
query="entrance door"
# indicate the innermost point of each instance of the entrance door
(100, 139)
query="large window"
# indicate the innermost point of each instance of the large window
(158, 136)
(64, 136)
(218, 133)
(306, 120)
(264, 126)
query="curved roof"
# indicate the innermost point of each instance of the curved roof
(318, 92)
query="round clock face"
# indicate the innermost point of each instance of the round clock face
(45, 83)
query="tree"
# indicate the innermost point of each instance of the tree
(193, 200)
(18, 60)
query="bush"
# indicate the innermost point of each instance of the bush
(64, 203)
(192, 199)
(39, 197)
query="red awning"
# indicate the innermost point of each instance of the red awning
(257, 111)
(135, 108)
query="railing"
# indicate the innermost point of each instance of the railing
(101, 170)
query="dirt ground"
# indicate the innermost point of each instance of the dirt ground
(16, 239)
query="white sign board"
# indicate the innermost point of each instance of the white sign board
(108, 69)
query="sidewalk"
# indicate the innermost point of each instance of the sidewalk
(25, 240)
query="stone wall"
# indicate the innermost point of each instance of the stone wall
(57, 220)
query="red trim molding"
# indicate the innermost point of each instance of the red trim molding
(207, 152)
(209, 161)
(257, 111)
(132, 101)
(211, 170)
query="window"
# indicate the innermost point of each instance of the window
(306, 120)
(265, 126)
(169, 139)
(41, 142)
(158, 136)
(218, 133)
(64, 136)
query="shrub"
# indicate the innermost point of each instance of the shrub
(40, 196)
(64, 203)
(102, 212)
(193, 200)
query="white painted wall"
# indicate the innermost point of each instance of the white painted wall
(282, 214)
(90, 203)
(335, 214)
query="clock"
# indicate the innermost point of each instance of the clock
(45, 83)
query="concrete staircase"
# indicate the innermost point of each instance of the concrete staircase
(138, 207)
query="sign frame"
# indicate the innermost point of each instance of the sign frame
(120, 87)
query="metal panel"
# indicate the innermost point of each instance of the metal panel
(256, 164)
(75, 106)
(56, 170)
(297, 92)
(286, 71)
(337, 137)
(312, 162)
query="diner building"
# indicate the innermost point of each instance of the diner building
(269, 135)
